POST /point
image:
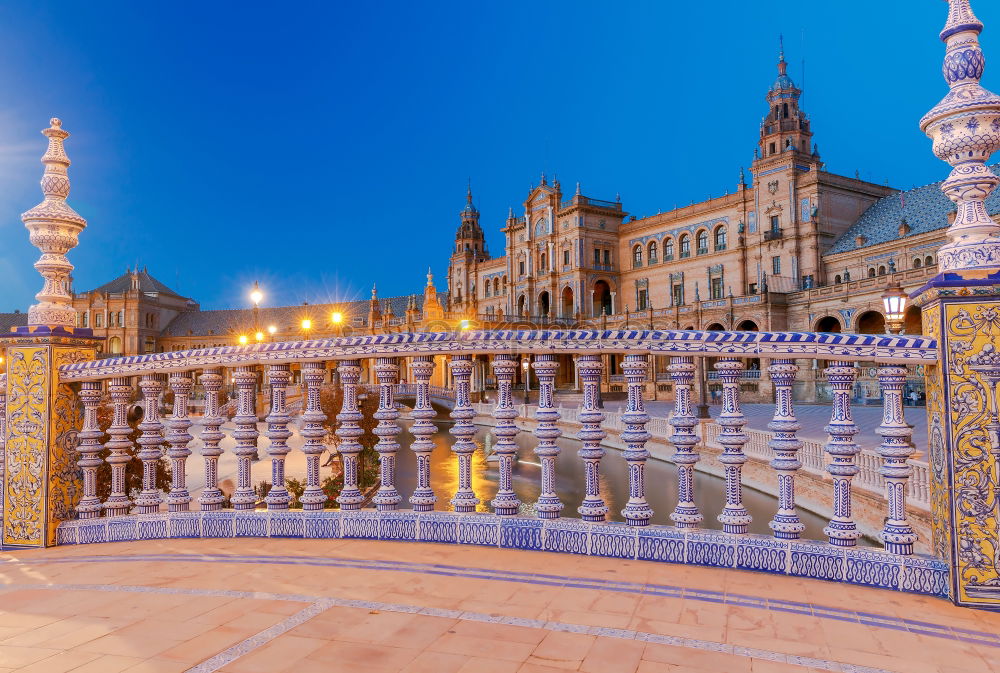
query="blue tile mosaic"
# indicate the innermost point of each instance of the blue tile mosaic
(184, 524)
(286, 524)
(762, 554)
(566, 536)
(818, 560)
(218, 524)
(655, 544)
(250, 524)
(483, 529)
(614, 540)
(439, 527)
(398, 526)
(519, 533)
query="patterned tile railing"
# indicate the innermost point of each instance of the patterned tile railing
(837, 558)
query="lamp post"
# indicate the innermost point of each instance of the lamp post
(337, 320)
(256, 296)
(894, 302)
(526, 367)
(271, 329)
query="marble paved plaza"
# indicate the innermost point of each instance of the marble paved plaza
(270, 605)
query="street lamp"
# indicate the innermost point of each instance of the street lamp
(464, 324)
(526, 364)
(337, 318)
(259, 336)
(256, 296)
(894, 302)
(271, 329)
(243, 339)
(306, 324)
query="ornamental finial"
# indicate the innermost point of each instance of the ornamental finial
(782, 65)
(965, 129)
(54, 229)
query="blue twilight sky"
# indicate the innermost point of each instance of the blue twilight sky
(321, 146)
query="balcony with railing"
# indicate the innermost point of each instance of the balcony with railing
(580, 200)
(773, 234)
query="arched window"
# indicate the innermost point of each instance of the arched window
(720, 238)
(496, 287)
(542, 263)
(836, 279)
(637, 256)
(86, 320)
(871, 272)
(881, 270)
(668, 249)
(99, 320)
(652, 254)
(115, 345)
(916, 262)
(685, 246)
(702, 242)
(486, 289)
(928, 261)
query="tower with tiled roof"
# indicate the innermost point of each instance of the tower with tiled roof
(785, 129)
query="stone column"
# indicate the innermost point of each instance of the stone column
(387, 372)
(465, 499)
(151, 441)
(279, 376)
(89, 447)
(423, 429)
(684, 439)
(506, 502)
(211, 497)
(179, 499)
(734, 518)
(350, 497)
(842, 531)
(246, 433)
(313, 431)
(637, 511)
(897, 535)
(118, 446)
(786, 445)
(546, 432)
(593, 507)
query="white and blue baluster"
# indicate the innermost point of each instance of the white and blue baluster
(387, 373)
(245, 434)
(151, 441)
(637, 511)
(546, 432)
(423, 429)
(211, 497)
(684, 439)
(734, 518)
(465, 499)
(89, 446)
(897, 535)
(279, 376)
(118, 446)
(348, 433)
(589, 368)
(179, 499)
(506, 502)
(785, 524)
(313, 432)
(842, 531)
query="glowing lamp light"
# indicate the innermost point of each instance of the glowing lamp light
(243, 339)
(337, 318)
(307, 323)
(259, 336)
(256, 296)
(894, 302)
(271, 329)
(464, 324)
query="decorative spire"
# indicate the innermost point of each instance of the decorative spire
(782, 65)
(374, 292)
(54, 229)
(743, 178)
(578, 189)
(965, 130)
(430, 277)
(544, 182)
(510, 212)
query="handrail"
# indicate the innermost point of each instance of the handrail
(888, 349)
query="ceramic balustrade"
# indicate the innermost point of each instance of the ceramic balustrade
(889, 470)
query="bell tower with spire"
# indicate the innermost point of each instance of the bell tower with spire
(785, 130)
(470, 251)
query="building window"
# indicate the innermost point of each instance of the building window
(702, 242)
(520, 268)
(607, 258)
(99, 320)
(668, 250)
(636, 256)
(881, 271)
(776, 266)
(837, 279)
(916, 262)
(543, 262)
(86, 319)
(597, 257)
(773, 148)
(678, 294)
(752, 288)
(716, 288)
(928, 261)
(775, 223)
(486, 289)
(720, 238)
(565, 257)
(642, 300)
(871, 272)
(685, 246)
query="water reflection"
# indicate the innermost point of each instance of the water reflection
(661, 482)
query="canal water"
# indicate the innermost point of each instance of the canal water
(661, 478)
